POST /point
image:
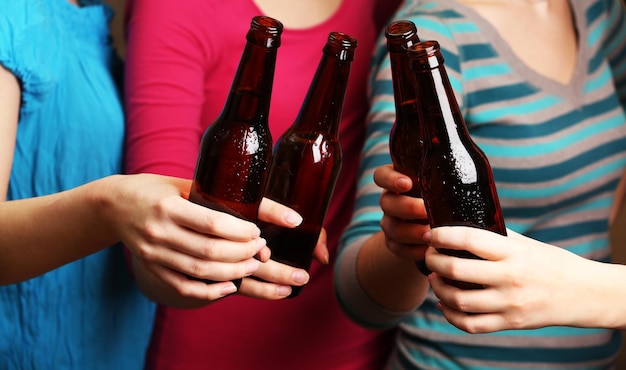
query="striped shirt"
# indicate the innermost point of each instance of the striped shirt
(557, 152)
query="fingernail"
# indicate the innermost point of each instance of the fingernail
(439, 306)
(427, 237)
(300, 277)
(261, 242)
(283, 290)
(228, 289)
(252, 266)
(256, 232)
(403, 182)
(326, 258)
(292, 217)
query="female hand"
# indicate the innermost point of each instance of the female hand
(173, 237)
(527, 284)
(404, 220)
(388, 258)
(273, 280)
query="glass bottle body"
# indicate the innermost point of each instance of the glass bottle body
(457, 182)
(307, 158)
(232, 167)
(236, 149)
(303, 176)
(405, 138)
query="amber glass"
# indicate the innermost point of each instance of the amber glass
(236, 149)
(405, 138)
(307, 157)
(457, 182)
(406, 142)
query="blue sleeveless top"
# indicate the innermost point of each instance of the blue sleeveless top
(88, 314)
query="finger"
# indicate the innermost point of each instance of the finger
(263, 290)
(264, 254)
(279, 273)
(227, 268)
(208, 221)
(403, 206)
(320, 253)
(278, 214)
(466, 270)
(387, 178)
(193, 289)
(473, 323)
(180, 241)
(413, 252)
(483, 243)
(484, 300)
(402, 231)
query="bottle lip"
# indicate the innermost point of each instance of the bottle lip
(400, 29)
(265, 31)
(400, 35)
(341, 45)
(425, 54)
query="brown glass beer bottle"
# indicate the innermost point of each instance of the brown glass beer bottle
(307, 158)
(406, 143)
(236, 149)
(405, 138)
(457, 182)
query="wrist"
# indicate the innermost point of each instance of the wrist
(393, 282)
(596, 295)
(101, 196)
(607, 299)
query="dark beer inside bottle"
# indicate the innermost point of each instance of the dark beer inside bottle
(406, 136)
(457, 182)
(307, 158)
(302, 176)
(233, 171)
(236, 148)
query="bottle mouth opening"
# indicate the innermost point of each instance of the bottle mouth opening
(400, 35)
(269, 25)
(342, 45)
(429, 47)
(265, 31)
(400, 29)
(425, 55)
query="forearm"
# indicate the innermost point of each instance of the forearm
(365, 285)
(43, 233)
(392, 282)
(601, 301)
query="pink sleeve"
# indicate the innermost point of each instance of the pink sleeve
(164, 88)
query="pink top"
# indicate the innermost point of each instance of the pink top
(181, 59)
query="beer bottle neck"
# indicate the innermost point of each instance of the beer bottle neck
(323, 105)
(251, 90)
(401, 35)
(437, 105)
(403, 86)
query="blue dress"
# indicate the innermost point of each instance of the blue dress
(88, 314)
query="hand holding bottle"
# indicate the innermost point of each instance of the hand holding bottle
(403, 236)
(392, 252)
(275, 280)
(216, 246)
(527, 284)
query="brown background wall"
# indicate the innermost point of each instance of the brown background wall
(619, 232)
(117, 24)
